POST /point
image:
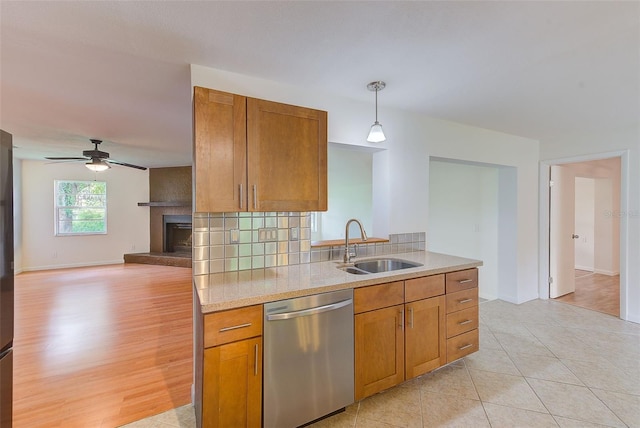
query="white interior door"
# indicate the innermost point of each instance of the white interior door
(561, 231)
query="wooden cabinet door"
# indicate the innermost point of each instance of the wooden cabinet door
(232, 385)
(379, 350)
(219, 152)
(425, 336)
(286, 157)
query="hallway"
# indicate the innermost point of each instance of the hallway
(596, 292)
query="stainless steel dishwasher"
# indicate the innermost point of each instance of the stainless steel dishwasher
(308, 358)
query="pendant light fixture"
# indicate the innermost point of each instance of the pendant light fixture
(376, 135)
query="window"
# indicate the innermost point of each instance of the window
(81, 207)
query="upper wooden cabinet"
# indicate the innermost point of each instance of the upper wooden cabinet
(256, 155)
(220, 151)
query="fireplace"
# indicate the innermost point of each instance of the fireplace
(176, 234)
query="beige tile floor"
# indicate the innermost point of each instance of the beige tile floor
(540, 364)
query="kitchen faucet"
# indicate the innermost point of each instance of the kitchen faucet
(363, 234)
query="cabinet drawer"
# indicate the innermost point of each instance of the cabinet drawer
(461, 345)
(461, 280)
(378, 296)
(462, 321)
(423, 288)
(462, 300)
(232, 325)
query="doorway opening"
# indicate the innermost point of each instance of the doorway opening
(585, 234)
(473, 213)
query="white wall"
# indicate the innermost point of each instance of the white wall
(401, 173)
(350, 191)
(127, 223)
(463, 216)
(584, 223)
(606, 232)
(17, 215)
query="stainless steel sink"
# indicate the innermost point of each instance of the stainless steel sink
(379, 265)
(354, 270)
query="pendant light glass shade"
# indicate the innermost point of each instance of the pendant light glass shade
(376, 135)
(97, 165)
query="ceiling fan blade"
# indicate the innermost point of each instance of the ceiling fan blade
(65, 158)
(126, 164)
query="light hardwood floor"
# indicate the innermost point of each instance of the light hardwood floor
(101, 346)
(596, 292)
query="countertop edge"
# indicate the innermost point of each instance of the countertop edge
(347, 281)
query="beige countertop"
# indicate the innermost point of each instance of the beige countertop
(230, 290)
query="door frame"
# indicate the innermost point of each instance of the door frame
(543, 229)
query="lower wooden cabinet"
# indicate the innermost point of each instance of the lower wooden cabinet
(462, 345)
(379, 350)
(462, 313)
(397, 342)
(228, 388)
(405, 329)
(232, 376)
(425, 336)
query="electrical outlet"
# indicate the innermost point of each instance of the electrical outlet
(267, 234)
(234, 236)
(294, 233)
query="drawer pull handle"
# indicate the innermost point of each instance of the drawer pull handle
(465, 322)
(241, 196)
(464, 281)
(411, 317)
(462, 348)
(255, 197)
(235, 327)
(401, 323)
(465, 301)
(255, 363)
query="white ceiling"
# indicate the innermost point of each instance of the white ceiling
(119, 71)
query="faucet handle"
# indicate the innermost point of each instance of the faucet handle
(355, 251)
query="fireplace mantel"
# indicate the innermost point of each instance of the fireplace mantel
(169, 194)
(165, 204)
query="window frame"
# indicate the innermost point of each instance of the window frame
(57, 208)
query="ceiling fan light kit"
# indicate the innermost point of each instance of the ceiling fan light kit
(97, 165)
(98, 160)
(376, 134)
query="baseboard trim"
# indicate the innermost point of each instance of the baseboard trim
(606, 272)
(71, 265)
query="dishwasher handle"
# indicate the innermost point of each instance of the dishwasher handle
(310, 311)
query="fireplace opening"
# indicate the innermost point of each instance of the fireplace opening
(177, 234)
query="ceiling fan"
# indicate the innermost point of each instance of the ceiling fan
(98, 160)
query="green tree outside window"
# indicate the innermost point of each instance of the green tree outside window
(81, 207)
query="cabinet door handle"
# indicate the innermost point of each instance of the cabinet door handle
(241, 195)
(464, 281)
(255, 363)
(222, 330)
(462, 348)
(410, 317)
(465, 322)
(255, 197)
(401, 324)
(465, 300)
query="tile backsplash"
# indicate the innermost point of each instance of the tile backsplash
(224, 242)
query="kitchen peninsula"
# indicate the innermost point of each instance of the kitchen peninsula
(284, 334)
(440, 296)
